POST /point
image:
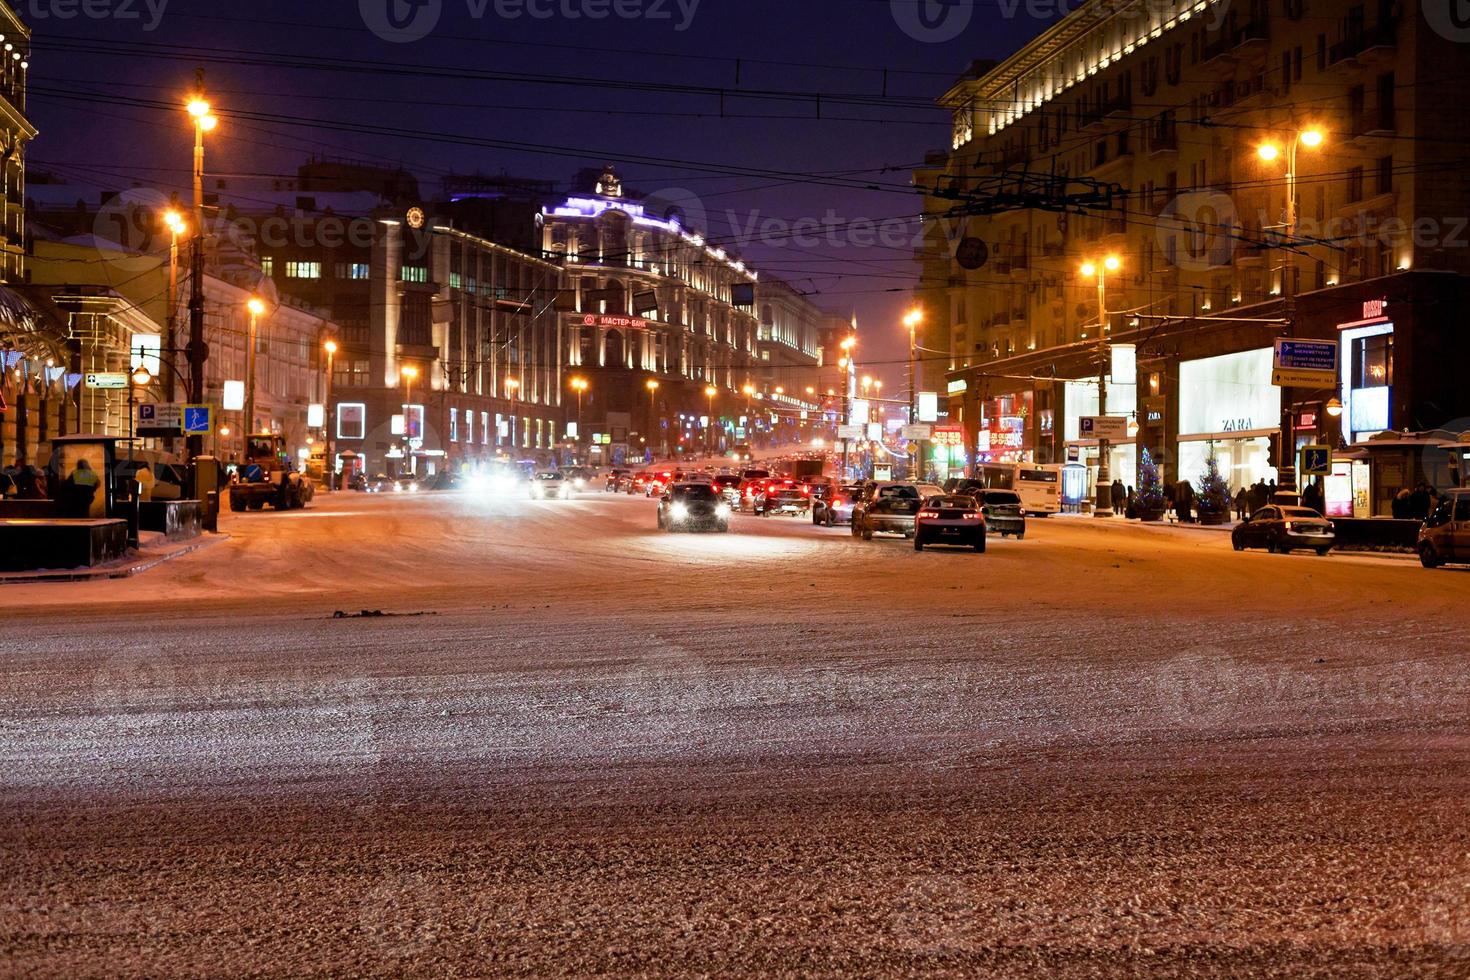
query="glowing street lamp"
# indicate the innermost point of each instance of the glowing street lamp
(710, 391)
(513, 389)
(580, 386)
(329, 464)
(1103, 507)
(255, 306)
(174, 221)
(652, 385)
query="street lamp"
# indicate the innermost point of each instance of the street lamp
(1103, 505)
(255, 306)
(710, 391)
(579, 385)
(204, 121)
(513, 388)
(174, 221)
(408, 372)
(652, 385)
(329, 463)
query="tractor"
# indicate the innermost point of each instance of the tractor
(267, 477)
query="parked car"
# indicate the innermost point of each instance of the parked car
(890, 514)
(1284, 529)
(728, 484)
(950, 519)
(1004, 513)
(693, 506)
(1445, 536)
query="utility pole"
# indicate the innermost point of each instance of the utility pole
(198, 350)
(1103, 496)
(912, 321)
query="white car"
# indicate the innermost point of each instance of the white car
(550, 485)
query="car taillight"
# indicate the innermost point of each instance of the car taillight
(971, 516)
(928, 513)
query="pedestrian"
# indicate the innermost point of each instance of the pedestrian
(1312, 497)
(79, 490)
(1131, 505)
(1119, 496)
(1184, 502)
(29, 484)
(1242, 504)
(146, 481)
(1168, 497)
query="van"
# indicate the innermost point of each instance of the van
(1445, 536)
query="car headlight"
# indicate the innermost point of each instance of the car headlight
(722, 511)
(679, 512)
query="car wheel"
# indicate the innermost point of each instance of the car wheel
(1322, 552)
(918, 543)
(980, 544)
(867, 534)
(1428, 557)
(830, 521)
(1020, 535)
(1236, 543)
(660, 522)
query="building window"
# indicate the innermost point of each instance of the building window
(453, 425)
(469, 425)
(303, 270)
(268, 265)
(352, 270)
(484, 428)
(1373, 366)
(1385, 174)
(1386, 115)
(1355, 184)
(414, 273)
(351, 420)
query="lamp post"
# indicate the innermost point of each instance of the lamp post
(652, 385)
(255, 307)
(175, 223)
(513, 388)
(912, 319)
(408, 372)
(845, 362)
(138, 379)
(1103, 497)
(579, 385)
(329, 462)
(710, 391)
(1268, 152)
(198, 351)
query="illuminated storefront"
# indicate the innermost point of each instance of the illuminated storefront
(1005, 434)
(1366, 366)
(1228, 406)
(1080, 397)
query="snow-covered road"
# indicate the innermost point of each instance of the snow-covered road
(584, 746)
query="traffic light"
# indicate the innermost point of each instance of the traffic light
(1273, 457)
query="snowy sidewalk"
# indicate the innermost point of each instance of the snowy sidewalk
(153, 550)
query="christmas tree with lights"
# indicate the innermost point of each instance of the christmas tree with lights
(1150, 501)
(1214, 492)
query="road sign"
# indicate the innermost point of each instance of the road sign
(1113, 428)
(919, 432)
(107, 380)
(1316, 461)
(198, 420)
(928, 406)
(849, 432)
(1305, 363)
(160, 419)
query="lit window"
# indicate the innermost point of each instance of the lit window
(303, 270)
(352, 270)
(414, 273)
(268, 265)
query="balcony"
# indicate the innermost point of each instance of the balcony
(1163, 137)
(1252, 38)
(1362, 47)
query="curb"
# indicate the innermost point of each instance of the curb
(129, 567)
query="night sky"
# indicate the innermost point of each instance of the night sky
(598, 89)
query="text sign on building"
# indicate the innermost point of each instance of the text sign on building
(613, 321)
(1305, 363)
(917, 433)
(948, 435)
(107, 380)
(1113, 428)
(849, 432)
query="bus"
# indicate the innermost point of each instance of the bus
(1038, 484)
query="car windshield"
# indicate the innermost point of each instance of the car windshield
(1002, 497)
(548, 476)
(955, 502)
(1299, 512)
(898, 490)
(695, 491)
(725, 480)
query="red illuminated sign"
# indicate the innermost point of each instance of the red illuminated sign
(614, 321)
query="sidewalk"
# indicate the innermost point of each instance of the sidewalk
(153, 550)
(1166, 525)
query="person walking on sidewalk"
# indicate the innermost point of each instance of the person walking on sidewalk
(1119, 496)
(1242, 504)
(1184, 502)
